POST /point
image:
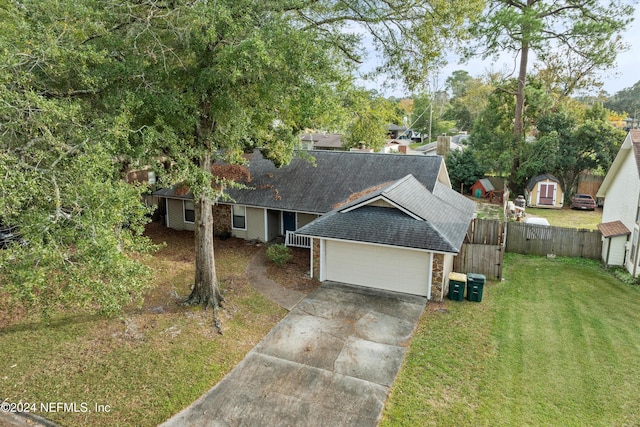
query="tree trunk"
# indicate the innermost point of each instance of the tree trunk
(205, 290)
(518, 123)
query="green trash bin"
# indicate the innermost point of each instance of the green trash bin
(457, 283)
(475, 286)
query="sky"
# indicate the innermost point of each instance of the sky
(624, 75)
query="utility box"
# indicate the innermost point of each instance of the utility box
(475, 286)
(457, 283)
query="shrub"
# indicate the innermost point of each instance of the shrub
(279, 254)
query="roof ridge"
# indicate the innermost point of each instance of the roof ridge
(398, 182)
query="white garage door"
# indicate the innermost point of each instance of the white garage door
(393, 269)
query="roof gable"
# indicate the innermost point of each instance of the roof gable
(488, 186)
(630, 146)
(422, 219)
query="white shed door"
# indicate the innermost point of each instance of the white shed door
(393, 269)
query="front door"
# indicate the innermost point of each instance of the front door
(288, 221)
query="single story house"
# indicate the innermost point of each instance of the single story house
(621, 212)
(281, 201)
(321, 141)
(544, 191)
(431, 149)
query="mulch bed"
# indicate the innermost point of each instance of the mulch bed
(295, 274)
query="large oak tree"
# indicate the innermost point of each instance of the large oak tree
(186, 84)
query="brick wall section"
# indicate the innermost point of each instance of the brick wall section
(316, 258)
(221, 219)
(437, 277)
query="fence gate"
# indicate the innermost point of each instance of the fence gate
(484, 251)
(482, 259)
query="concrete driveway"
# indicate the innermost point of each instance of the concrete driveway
(329, 362)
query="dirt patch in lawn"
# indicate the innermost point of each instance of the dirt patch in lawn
(295, 274)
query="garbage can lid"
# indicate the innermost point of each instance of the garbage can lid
(459, 277)
(476, 276)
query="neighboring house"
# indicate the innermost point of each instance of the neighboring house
(397, 132)
(621, 212)
(544, 191)
(431, 149)
(321, 141)
(281, 201)
(391, 147)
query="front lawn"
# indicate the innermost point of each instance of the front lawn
(149, 363)
(556, 343)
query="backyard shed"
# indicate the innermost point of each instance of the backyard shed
(544, 191)
(489, 187)
(614, 242)
(481, 188)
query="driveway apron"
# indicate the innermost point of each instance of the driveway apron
(329, 362)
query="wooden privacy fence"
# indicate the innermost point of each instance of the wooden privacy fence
(483, 251)
(543, 240)
(485, 232)
(482, 259)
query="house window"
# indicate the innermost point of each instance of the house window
(239, 217)
(189, 212)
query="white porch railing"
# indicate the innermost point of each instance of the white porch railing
(293, 239)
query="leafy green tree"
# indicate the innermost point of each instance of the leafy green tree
(566, 145)
(626, 100)
(428, 111)
(370, 116)
(492, 137)
(89, 87)
(79, 222)
(464, 168)
(584, 33)
(469, 99)
(206, 82)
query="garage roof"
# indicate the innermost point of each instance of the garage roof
(418, 218)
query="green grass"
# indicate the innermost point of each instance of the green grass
(147, 364)
(556, 343)
(570, 218)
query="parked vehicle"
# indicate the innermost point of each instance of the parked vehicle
(583, 201)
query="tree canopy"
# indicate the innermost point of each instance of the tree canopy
(90, 90)
(582, 37)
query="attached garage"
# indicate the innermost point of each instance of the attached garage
(400, 237)
(376, 266)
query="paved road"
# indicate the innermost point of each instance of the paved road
(330, 362)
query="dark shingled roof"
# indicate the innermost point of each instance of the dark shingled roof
(324, 140)
(536, 179)
(301, 186)
(434, 220)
